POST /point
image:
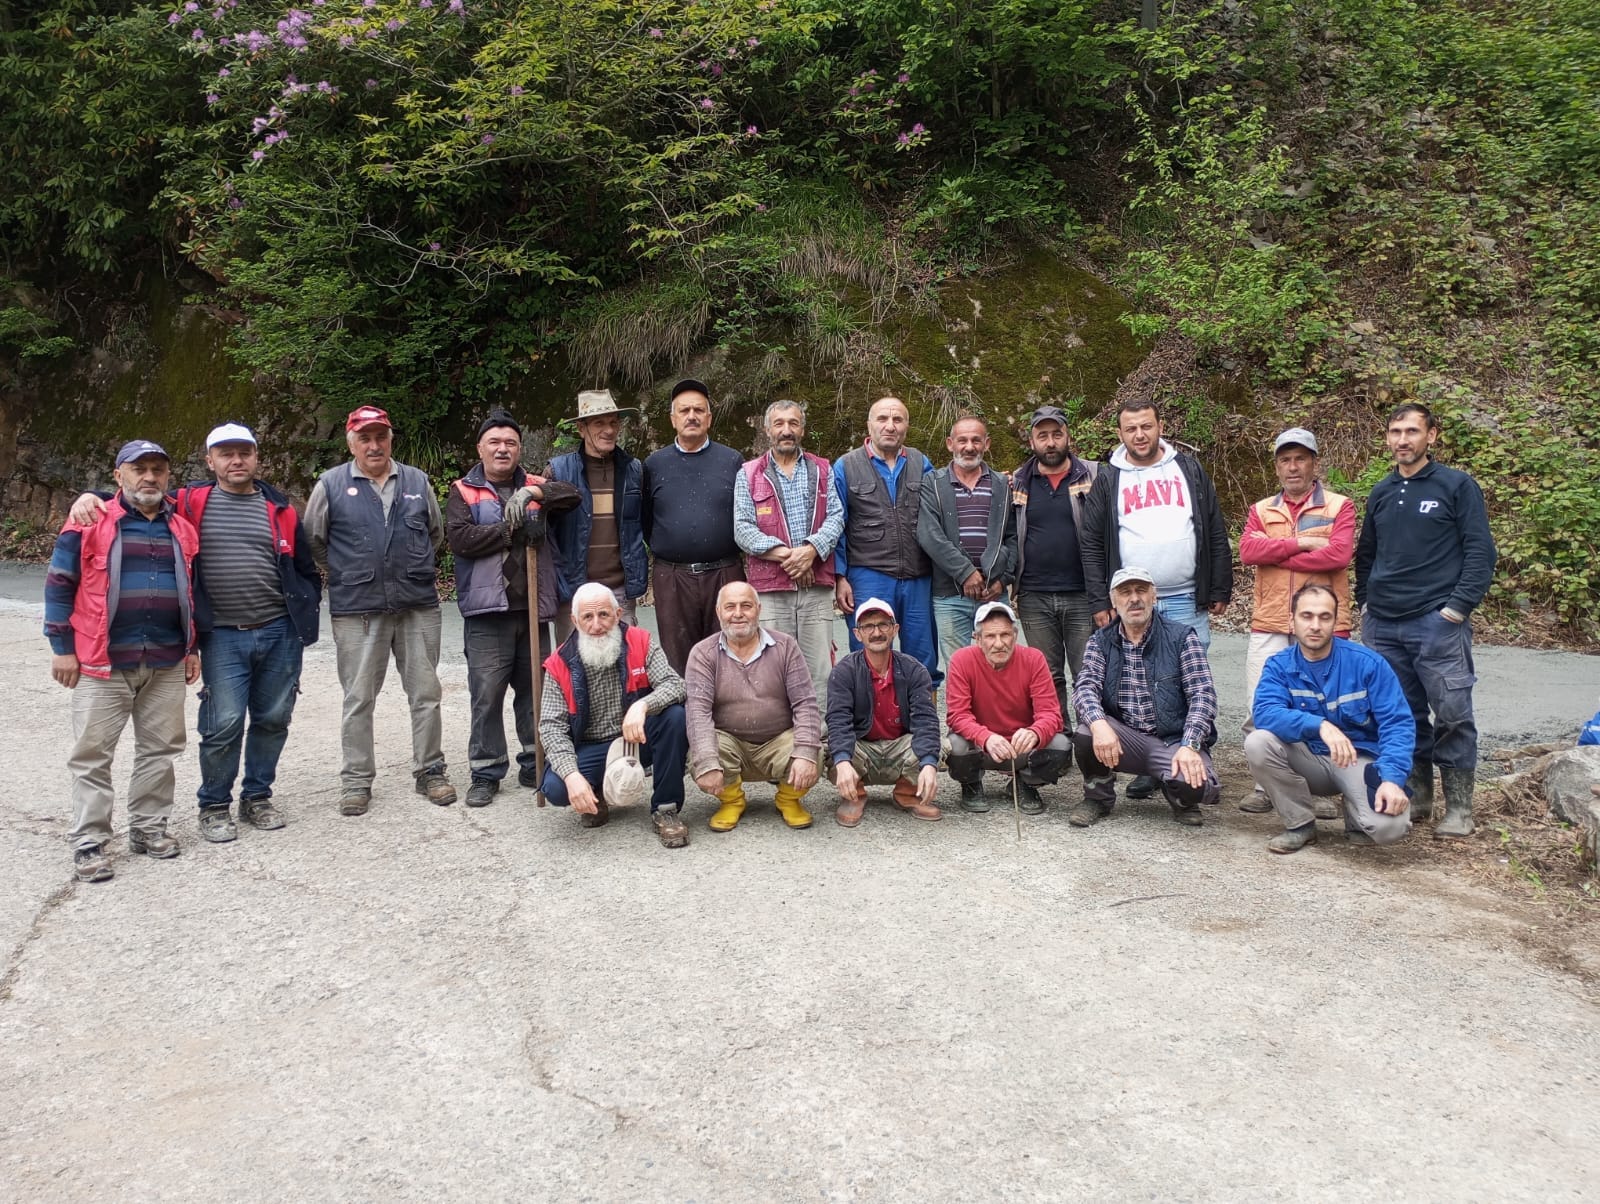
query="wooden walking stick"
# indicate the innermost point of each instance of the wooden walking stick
(1016, 801)
(535, 626)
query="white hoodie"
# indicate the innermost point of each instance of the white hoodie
(1155, 520)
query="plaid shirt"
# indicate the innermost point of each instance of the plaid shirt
(1134, 696)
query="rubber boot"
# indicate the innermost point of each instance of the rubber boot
(727, 816)
(790, 807)
(1420, 787)
(1458, 786)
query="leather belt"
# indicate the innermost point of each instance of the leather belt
(250, 626)
(702, 566)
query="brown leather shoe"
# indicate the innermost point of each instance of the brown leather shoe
(673, 831)
(436, 788)
(905, 797)
(154, 843)
(599, 819)
(355, 802)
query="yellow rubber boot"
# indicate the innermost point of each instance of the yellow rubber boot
(727, 816)
(791, 808)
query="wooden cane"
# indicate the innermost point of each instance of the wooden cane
(1016, 801)
(531, 555)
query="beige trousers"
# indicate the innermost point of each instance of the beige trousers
(363, 644)
(153, 699)
(767, 762)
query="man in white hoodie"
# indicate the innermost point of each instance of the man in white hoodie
(1155, 507)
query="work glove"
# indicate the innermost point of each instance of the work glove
(524, 518)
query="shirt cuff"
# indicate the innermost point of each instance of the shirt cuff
(63, 645)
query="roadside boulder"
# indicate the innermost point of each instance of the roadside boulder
(1570, 781)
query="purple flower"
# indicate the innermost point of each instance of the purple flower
(904, 139)
(191, 7)
(855, 91)
(258, 155)
(259, 124)
(869, 85)
(174, 18)
(433, 246)
(707, 103)
(198, 35)
(919, 128)
(456, 6)
(325, 87)
(371, 84)
(346, 41)
(235, 203)
(392, 24)
(751, 130)
(516, 89)
(369, 3)
(424, 3)
(761, 208)
(753, 42)
(487, 140)
(716, 69)
(655, 33)
(212, 98)
(903, 78)
(223, 73)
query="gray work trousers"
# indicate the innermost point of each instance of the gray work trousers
(1141, 753)
(101, 708)
(363, 644)
(1292, 773)
(807, 616)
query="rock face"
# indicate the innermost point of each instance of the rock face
(1569, 787)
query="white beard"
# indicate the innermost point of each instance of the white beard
(600, 652)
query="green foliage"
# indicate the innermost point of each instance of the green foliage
(28, 335)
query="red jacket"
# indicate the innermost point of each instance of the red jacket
(98, 586)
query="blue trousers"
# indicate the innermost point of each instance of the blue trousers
(253, 673)
(953, 615)
(666, 748)
(1181, 608)
(913, 606)
(1432, 657)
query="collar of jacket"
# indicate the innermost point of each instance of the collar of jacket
(477, 476)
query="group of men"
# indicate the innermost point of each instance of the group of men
(1063, 609)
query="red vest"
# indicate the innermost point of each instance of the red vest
(561, 664)
(765, 575)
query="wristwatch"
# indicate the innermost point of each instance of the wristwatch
(1194, 744)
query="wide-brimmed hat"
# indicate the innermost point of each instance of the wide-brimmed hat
(597, 403)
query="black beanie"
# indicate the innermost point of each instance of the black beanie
(498, 418)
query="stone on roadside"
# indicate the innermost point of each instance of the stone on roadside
(1569, 788)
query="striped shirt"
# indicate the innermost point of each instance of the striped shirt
(147, 629)
(972, 515)
(1134, 695)
(239, 559)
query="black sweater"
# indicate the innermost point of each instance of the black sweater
(688, 503)
(1425, 545)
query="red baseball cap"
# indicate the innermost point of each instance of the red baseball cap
(367, 416)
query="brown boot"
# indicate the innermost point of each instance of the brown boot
(906, 798)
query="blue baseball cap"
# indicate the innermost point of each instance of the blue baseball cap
(138, 449)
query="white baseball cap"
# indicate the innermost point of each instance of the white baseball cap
(989, 608)
(229, 432)
(872, 604)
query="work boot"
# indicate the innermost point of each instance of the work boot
(726, 817)
(1086, 814)
(1028, 800)
(907, 799)
(673, 831)
(791, 808)
(1189, 817)
(217, 825)
(436, 788)
(1256, 802)
(1143, 786)
(90, 864)
(355, 802)
(1420, 787)
(527, 776)
(260, 814)
(1327, 808)
(599, 819)
(1458, 787)
(154, 843)
(851, 809)
(482, 791)
(1295, 839)
(972, 798)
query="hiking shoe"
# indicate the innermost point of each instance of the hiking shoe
(355, 802)
(217, 825)
(972, 798)
(155, 843)
(1028, 800)
(90, 864)
(673, 831)
(1294, 839)
(481, 793)
(1327, 808)
(1143, 786)
(1086, 814)
(1189, 817)
(260, 814)
(436, 788)
(1256, 803)
(599, 819)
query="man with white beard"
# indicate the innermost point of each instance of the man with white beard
(607, 685)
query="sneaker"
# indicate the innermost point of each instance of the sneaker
(90, 864)
(1143, 786)
(972, 798)
(1086, 814)
(481, 793)
(1293, 840)
(217, 825)
(1028, 800)
(355, 802)
(436, 788)
(673, 831)
(155, 843)
(260, 814)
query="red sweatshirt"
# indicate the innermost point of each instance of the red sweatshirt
(983, 701)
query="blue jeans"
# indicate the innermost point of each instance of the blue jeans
(1180, 608)
(953, 616)
(255, 672)
(913, 606)
(666, 747)
(1432, 657)
(1058, 625)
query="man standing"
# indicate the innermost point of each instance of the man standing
(1330, 718)
(602, 538)
(1003, 714)
(490, 518)
(375, 529)
(1050, 491)
(1146, 704)
(965, 528)
(787, 519)
(751, 712)
(1424, 561)
(688, 523)
(119, 615)
(882, 727)
(880, 486)
(257, 596)
(1303, 535)
(609, 684)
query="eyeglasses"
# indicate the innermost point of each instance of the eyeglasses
(874, 628)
